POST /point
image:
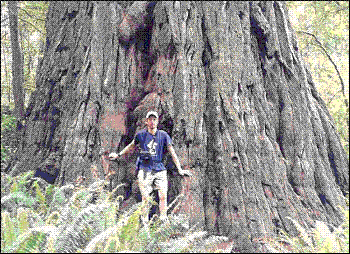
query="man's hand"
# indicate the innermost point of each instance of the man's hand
(185, 172)
(113, 156)
(177, 162)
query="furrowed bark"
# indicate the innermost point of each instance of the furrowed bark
(231, 89)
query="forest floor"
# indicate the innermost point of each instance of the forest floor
(34, 216)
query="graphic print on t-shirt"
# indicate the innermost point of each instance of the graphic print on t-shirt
(152, 147)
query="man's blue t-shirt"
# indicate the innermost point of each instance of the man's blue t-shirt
(155, 145)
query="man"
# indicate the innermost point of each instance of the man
(151, 170)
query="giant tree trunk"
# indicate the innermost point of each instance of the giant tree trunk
(231, 89)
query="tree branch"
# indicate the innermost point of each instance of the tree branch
(32, 16)
(330, 100)
(342, 9)
(31, 25)
(330, 59)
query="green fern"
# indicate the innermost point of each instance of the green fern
(85, 226)
(115, 240)
(39, 221)
(113, 207)
(323, 240)
(113, 244)
(18, 199)
(50, 245)
(53, 218)
(347, 199)
(103, 241)
(58, 198)
(8, 233)
(22, 218)
(338, 241)
(128, 233)
(49, 191)
(23, 178)
(32, 241)
(14, 187)
(40, 198)
(20, 181)
(112, 212)
(109, 239)
(110, 195)
(79, 197)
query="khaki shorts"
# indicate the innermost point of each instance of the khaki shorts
(152, 180)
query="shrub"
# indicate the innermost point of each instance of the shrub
(40, 197)
(8, 234)
(320, 239)
(8, 124)
(22, 218)
(16, 199)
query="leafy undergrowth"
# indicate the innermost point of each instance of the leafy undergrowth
(40, 217)
(319, 240)
(8, 138)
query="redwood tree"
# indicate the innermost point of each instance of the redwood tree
(231, 89)
(17, 63)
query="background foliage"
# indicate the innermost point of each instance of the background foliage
(34, 217)
(329, 22)
(31, 25)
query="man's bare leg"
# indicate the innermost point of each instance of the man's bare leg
(145, 209)
(145, 196)
(163, 203)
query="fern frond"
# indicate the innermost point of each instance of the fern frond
(109, 198)
(32, 240)
(183, 244)
(112, 212)
(26, 176)
(98, 242)
(50, 245)
(49, 191)
(86, 225)
(59, 197)
(14, 187)
(112, 245)
(40, 197)
(17, 199)
(302, 232)
(108, 240)
(53, 218)
(22, 218)
(7, 229)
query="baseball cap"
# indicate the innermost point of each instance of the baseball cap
(152, 113)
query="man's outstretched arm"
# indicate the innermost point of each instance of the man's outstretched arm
(177, 162)
(127, 149)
